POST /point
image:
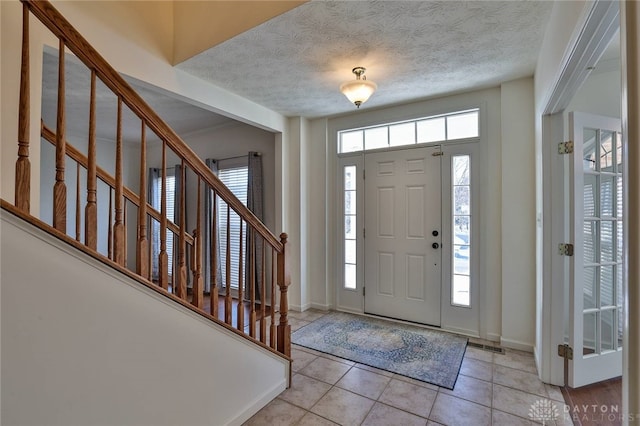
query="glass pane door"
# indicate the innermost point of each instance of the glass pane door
(597, 266)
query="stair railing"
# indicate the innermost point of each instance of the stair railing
(189, 255)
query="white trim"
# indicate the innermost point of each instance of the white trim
(600, 25)
(259, 403)
(593, 33)
(321, 307)
(494, 337)
(516, 344)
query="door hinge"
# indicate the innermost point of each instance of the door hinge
(565, 249)
(364, 292)
(565, 147)
(565, 351)
(364, 233)
(363, 173)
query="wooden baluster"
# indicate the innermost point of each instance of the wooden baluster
(23, 165)
(197, 244)
(273, 330)
(252, 282)
(91, 209)
(284, 329)
(240, 308)
(227, 297)
(263, 297)
(124, 231)
(118, 228)
(59, 188)
(78, 216)
(214, 257)
(182, 250)
(110, 227)
(142, 249)
(163, 261)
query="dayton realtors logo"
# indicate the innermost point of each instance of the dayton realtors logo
(546, 411)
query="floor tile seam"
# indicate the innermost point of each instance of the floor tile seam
(477, 378)
(308, 410)
(315, 414)
(396, 408)
(346, 390)
(470, 400)
(320, 380)
(522, 390)
(516, 369)
(511, 414)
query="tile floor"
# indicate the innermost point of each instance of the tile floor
(492, 389)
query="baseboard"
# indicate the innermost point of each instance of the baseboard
(516, 344)
(461, 331)
(300, 308)
(320, 307)
(494, 337)
(349, 310)
(536, 360)
(259, 403)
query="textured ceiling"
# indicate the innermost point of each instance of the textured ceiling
(295, 62)
(413, 50)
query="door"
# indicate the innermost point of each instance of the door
(403, 234)
(595, 320)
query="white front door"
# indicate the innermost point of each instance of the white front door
(595, 329)
(403, 237)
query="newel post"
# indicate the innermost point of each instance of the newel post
(284, 279)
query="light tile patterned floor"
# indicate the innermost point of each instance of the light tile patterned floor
(492, 389)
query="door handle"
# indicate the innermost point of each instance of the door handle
(435, 245)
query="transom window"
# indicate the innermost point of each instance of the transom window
(438, 128)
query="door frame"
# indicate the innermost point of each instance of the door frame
(598, 27)
(456, 319)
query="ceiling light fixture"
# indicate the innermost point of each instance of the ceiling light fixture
(360, 89)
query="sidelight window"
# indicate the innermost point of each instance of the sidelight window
(461, 235)
(349, 214)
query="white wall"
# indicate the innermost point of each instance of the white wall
(493, 157)
(600, 93)
(293, 163)
(82, 344)
(518, 213)
(565, 23)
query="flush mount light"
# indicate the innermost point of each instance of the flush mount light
(360, 89)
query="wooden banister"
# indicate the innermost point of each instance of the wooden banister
(184, 259)
(77, 44)
(60, 188)
(23, 164)
(91, 209)
(284, 279)
(142, 251)
(105, 177)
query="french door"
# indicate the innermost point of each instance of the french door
(403, 256)
(596, 298)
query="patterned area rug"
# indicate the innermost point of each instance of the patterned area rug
(427, 355)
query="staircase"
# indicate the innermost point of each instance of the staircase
(176, 286)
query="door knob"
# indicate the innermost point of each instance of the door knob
(435, 245)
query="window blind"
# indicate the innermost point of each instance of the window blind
(236, 180)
